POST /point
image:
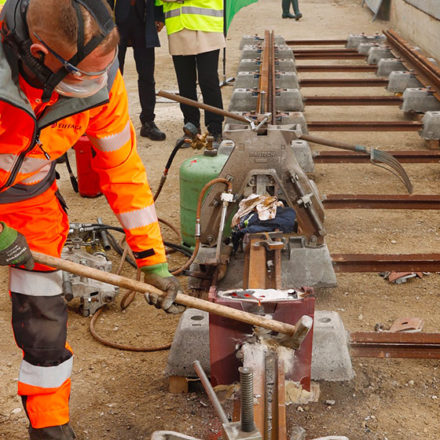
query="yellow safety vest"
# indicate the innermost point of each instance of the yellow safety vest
(196, 15)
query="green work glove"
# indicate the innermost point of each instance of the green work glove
(159, 276)
(14, 250)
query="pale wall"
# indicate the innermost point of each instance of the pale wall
(416, 27)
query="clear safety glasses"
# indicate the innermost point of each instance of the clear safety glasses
(74, 70)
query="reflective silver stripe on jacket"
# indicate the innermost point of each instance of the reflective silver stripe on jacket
(45, 377)
(30, 164)
(35, 283)
(194, 10)
(20, 192)
(37, 178)
(138, 218)
(113, 142)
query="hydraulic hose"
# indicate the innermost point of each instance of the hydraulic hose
(168, 166)
(198, 229)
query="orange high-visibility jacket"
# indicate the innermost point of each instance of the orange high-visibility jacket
(29, 148)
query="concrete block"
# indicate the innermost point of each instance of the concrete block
(286, 80)
(285, 65)
(190, 343)
(170, 435)
(376, 53)
(431, 126)
(294, 118)
(354, 40)
(251, 52)
(284, 52)
(387, 65)
(398, 81)
(289, 100)
(246, 80)
(330, 356)
(419, 100)
(307, 266)
(256, 40)
(243, 100)
(303, 155)
(249, 65)
(250, 40)
(364, 48)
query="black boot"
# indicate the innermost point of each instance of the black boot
(298, 14)
(285, 4)
(151, 131)
(61, 432)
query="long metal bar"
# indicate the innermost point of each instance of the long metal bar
(426, 71)
(382, 263)
(364, 125)
(343, 82)
(335, 68)
(395, 345)
(210, 392)
(373, 201)
(422, 156)
(315, 42)
(326, 51)
(263, 86)
(328, 56)
(352, 100)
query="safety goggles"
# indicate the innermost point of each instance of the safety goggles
(74, 70)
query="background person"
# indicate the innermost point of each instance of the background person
(286, 9)
(138, 23)
(195, 37)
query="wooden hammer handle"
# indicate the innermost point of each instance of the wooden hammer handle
(186, 300)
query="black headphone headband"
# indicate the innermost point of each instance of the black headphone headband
(103, 19)
(15, 33)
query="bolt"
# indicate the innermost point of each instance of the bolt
(247, 399)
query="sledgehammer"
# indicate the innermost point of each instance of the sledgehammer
(296, 333)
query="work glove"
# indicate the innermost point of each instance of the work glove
(14, 250)
(159, 276)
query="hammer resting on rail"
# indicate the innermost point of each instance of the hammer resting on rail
(295, 333)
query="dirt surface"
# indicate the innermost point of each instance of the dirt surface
(123, 395)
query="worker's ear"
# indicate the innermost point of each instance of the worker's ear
(38, 51)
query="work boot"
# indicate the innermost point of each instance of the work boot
(217, 140)
(61, 432)
(151, 131)
(285, 4)
(298, 14)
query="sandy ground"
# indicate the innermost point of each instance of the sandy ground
(123, 395)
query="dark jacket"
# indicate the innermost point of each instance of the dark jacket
(147, 14)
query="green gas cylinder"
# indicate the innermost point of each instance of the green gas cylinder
(195, 173)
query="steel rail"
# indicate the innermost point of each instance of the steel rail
(422, 156)
(364, 125)
(315, 42)
(353, 263)
(352, 100)
(335, 68)
(374, 201)
(328, 56)
(395, 345)
(328, 51)
(263, 84)
(426, 71)
(344, 82)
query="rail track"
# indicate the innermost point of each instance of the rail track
(352, 62)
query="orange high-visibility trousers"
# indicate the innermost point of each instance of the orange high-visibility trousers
(39, 312)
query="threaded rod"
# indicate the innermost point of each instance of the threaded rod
(247, 399)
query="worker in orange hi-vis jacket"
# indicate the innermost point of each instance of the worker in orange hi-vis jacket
(60, 79)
